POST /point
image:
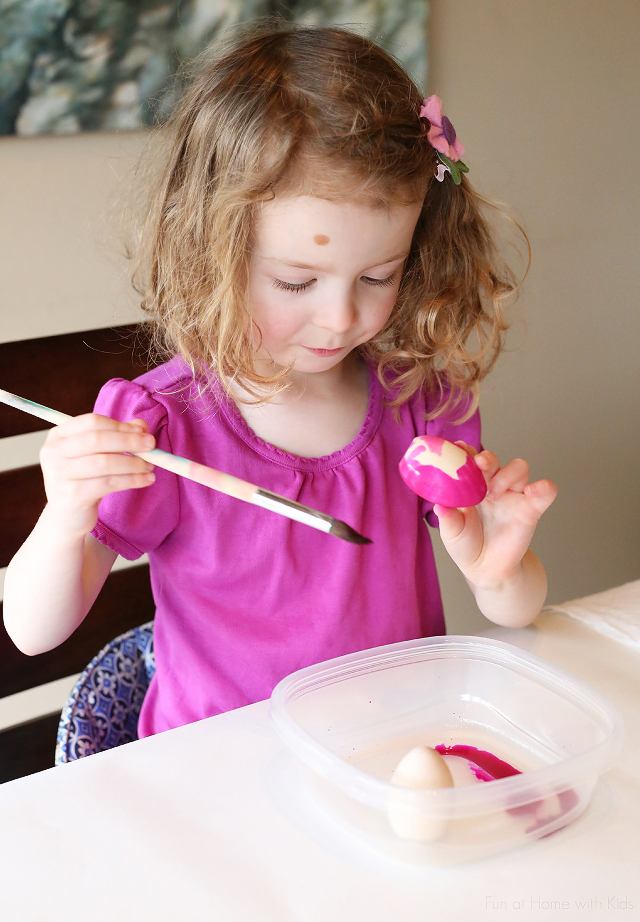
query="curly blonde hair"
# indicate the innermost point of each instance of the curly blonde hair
(322, 111)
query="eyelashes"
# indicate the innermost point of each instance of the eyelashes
(290, 286)
(380, 282)
(302, 286)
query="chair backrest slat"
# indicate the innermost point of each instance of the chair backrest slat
(124, 602)
(22, 498)
(66, 372)
(28, 748)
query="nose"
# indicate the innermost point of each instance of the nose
(338, 312)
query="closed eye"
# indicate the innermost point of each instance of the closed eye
(292, 286)
(388, 281)
(302, 286)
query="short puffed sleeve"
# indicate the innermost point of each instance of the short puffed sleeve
(133, 522)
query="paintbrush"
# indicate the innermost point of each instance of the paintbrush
(208, 477)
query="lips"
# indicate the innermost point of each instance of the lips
(323, 352)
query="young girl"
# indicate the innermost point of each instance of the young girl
(318, 267)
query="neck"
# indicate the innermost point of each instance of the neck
(303, 385)
(318, 414)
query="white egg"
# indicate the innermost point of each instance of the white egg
(422, 767)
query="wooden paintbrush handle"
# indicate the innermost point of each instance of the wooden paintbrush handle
(200, 473)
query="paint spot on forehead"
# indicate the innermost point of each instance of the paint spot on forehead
(321, 239)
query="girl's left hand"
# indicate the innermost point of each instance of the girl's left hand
(488, 541)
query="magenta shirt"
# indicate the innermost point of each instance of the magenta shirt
(245, 596)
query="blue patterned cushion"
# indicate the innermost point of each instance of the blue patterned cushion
(103, 709)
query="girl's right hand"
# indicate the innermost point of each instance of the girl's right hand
(85, 459)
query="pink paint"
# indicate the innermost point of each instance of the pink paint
(433, 442)
(452, 479)
(484, 765)
(487, 767)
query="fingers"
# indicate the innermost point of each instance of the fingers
(90, 422)
(542, 494)
(488, 464)
(106, 441)
(468, 448)
(93, 489)
(92, 455)
(107, 464)
(93, 435)
(513, 476)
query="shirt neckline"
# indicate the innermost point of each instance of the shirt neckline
(367, 431)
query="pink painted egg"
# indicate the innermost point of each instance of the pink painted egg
(442, 472)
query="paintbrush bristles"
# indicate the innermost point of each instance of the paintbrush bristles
(344, 531)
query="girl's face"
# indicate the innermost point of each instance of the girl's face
(324, 277)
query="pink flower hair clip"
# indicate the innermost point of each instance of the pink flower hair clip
(442, 137)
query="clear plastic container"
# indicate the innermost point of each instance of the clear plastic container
(351, 720)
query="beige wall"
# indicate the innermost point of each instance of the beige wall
(60, 243)
(545, 96)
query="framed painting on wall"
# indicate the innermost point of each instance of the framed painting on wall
(68, 66)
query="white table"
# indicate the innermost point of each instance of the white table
(206, 823)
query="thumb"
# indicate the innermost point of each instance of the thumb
(451, 521)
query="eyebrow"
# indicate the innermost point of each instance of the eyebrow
(295, 265)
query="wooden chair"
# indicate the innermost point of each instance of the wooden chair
(64, 372)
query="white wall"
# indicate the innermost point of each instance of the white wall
(545, 96)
